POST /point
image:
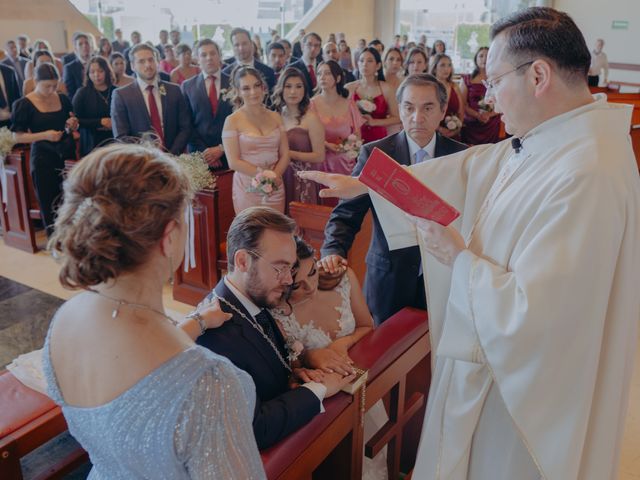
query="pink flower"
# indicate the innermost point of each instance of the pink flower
(269, 174)
(267, 188)
(254, 182)
(352, 138)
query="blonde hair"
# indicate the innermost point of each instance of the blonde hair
(117, 203)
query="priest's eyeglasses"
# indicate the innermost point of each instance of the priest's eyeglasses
(281, 272)
(491, 84)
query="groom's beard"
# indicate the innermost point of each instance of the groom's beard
(260, 295)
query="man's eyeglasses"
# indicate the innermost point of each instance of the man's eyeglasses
(491, 84)
(281, 272)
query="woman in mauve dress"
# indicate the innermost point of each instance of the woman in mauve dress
(305, 133)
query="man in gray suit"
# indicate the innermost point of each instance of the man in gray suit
(15, 61)
(149, 105)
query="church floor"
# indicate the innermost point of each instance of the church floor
(30, 293)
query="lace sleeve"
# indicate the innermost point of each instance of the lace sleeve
(214, 434)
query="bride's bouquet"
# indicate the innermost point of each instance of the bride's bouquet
(265, 183)
(351, 146)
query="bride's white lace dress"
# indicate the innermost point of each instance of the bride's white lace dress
(318, 332)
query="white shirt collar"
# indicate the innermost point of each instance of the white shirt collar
(430, 147)
(249, 64)
(206, 75)
(246, 303)
(313, 63)
(143, 85)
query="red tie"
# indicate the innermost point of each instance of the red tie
(213, 95)
(156, 123)
(312, 74)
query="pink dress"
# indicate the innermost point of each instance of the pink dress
(336, 129)
(263, 152)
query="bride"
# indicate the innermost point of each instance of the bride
(328, 314)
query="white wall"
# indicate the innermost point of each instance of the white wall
(594, 18)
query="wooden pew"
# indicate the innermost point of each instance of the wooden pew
(213, 214)
(311, 220)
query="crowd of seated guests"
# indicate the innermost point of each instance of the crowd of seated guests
(280, 121)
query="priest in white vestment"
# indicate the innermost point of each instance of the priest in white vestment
(532, 292)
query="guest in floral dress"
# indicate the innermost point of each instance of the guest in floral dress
(255, 141)
(305, 133)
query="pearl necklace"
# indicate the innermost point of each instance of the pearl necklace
(140, 306)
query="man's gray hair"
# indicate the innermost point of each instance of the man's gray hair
(424, 80)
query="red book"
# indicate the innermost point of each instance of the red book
(395, 183)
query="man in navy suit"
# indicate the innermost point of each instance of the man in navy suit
(243, 52)
(311, 47)
(9, 93)
(205, 95)
(73, 73)
(394, 278)
(15, 61)
(149, 105)
(262, 258)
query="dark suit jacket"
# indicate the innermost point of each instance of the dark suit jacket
(130, 117)
(19, 66)
(300, 65)
(68, 58)
(391, 282)
(207, 129)
(73, 76)
(279, 410)
(267, 72)
(12, 89)
(119, 47)
(160, 49)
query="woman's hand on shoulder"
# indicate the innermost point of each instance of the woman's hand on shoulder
(212, 314)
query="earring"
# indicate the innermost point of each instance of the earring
(171, 271)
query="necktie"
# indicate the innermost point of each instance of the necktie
(421, 155)
(266, 321)
(312, 74)
(213, 95)
(156, 123)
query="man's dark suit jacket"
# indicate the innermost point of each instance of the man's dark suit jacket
(12, 89)
(300, 65)
(73, 76)
(18, 65)
(119, 47)
(130, 117)
(267, 72)
(279, 410)
(207, 129)
(391, 282)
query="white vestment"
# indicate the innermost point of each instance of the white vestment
(534, 327)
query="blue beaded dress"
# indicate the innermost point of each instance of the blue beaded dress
(190, 418)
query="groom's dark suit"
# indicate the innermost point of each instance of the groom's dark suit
(391, 282)
(279, 410)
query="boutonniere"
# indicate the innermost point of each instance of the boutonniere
(226, 94)
(162, 90)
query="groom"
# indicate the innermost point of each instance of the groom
(261, 253)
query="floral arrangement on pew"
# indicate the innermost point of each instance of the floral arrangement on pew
(265, 183)
(7, 141)
(200, 178)
(351, 146)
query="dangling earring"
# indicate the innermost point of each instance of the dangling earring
(171, 271)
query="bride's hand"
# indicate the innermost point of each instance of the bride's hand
(340, 186)
(329, 361)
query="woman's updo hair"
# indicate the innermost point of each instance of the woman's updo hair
(240, 72)
(117, 203)
(45, 71)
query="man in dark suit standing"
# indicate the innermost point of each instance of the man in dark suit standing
(262, 259)
(394, 278)
(149, 105)
(73, 75)
(164, 39)
(15, 61)
(9, 93)
(119, 45)
(206, 97)
(311, 47)
(330, 52)
(243, 55)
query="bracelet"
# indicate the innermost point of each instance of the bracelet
(198, 318)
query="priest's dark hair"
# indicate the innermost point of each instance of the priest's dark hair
(542, 32)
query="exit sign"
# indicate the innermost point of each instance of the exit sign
(620, 25)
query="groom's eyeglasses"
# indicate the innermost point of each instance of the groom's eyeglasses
(281, 272)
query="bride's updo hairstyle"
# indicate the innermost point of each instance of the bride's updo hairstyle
(117, 203)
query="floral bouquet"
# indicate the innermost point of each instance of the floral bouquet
(366, 106)
(452, 123)
(7, 141)
(484, 106)
(264, 183)
(197, 169)
(351, 146)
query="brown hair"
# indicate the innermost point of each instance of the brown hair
(241, 71)
(249, 225)
(436, 60)
(117, 203)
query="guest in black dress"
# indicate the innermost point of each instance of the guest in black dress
(45, 119)
(92, 105)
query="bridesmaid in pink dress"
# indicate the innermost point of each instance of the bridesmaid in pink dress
(338, 114)
(254, 140)
(372, 87)
(305, 133)
(442, 69)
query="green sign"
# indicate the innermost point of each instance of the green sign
(620, 25)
